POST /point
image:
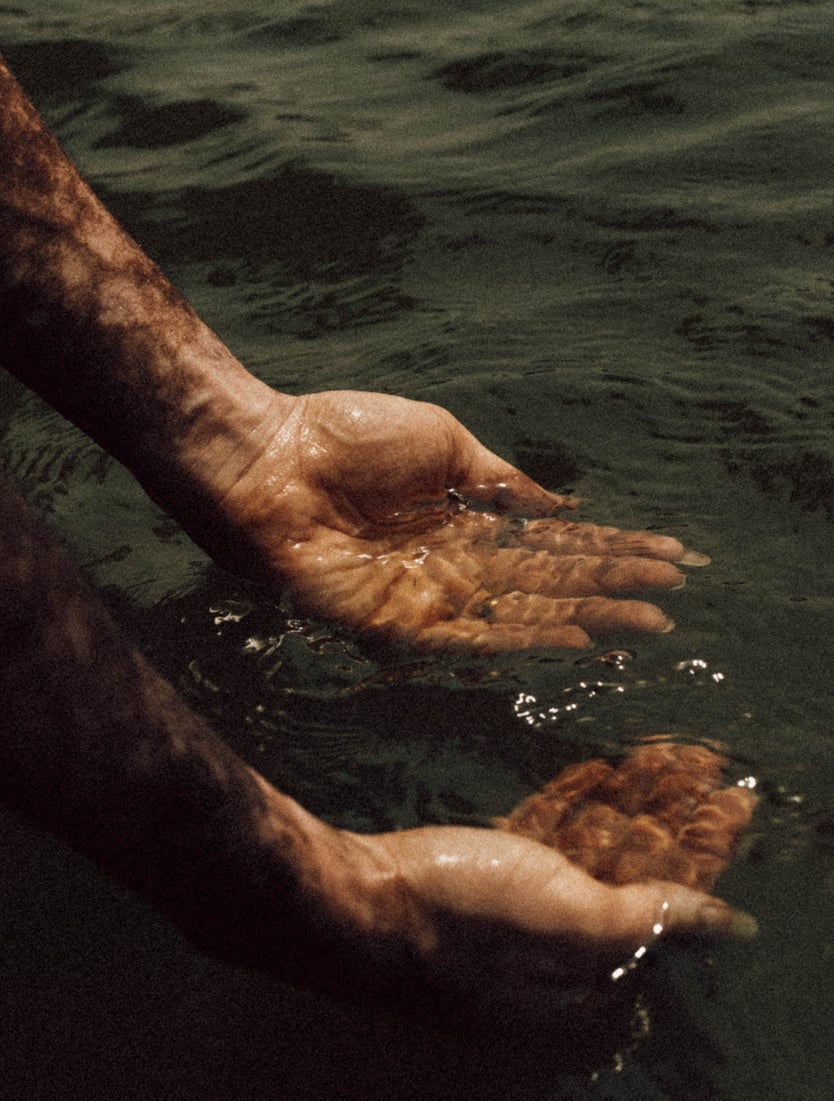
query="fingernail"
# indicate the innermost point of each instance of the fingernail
(743, 926)
(694, 558)
(716, 917)
(667, 626)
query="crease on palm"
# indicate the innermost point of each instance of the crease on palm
(471, 578)
(395, 519)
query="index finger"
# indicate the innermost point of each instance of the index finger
(562, 537)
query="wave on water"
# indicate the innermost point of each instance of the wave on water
(601, 235)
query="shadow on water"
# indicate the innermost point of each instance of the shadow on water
(64, 69)
(304, 252)
(616, 227)
(308, 220)
(144, 127)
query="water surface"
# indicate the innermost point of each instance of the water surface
(602, 235)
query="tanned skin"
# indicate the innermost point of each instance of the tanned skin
(324, 494)
(382, 513)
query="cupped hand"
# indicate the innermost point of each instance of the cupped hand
(386, 514)
(501, 923)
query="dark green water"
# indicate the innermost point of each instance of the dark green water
(603, 235)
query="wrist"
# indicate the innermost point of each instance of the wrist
(93, 326)
(359, 931)
(197, 471)
(345, 880)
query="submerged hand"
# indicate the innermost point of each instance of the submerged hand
(502, 923)
(387, 514)
(358, 503)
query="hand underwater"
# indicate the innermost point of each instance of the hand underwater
(661, 814)
(501, 923)
(388, 515)
(527, 933)
(378, 512)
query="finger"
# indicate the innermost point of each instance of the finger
(483, 476)
(541, 572)
(520, 884)
(655, 909)
(563, 537)
(492, 638)
(595, 615)
(522, 621)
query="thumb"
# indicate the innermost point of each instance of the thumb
(483, 476)
(669, 909)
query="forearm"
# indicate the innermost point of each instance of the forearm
(92, 325)
(100, 750)
(96, 747)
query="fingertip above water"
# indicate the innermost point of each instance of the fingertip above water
(718, 919)
(650, 618)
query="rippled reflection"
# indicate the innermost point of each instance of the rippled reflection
(573, 700)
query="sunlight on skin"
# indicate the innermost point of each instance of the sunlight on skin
(384, 514)
(542, 921)
(586, 908)
(381, 521)
(511, 879)
(371, 510)
(514, 927)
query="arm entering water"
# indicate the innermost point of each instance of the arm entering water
(344, 498)
(381, 513)
(99, 749)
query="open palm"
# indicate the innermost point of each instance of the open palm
(388, 515)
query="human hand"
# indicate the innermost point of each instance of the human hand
(663, 813)
(496, 925)
(382, 513)
(388, 515)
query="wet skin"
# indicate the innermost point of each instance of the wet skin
(384, 514)
(662, 813)
(99, 749)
